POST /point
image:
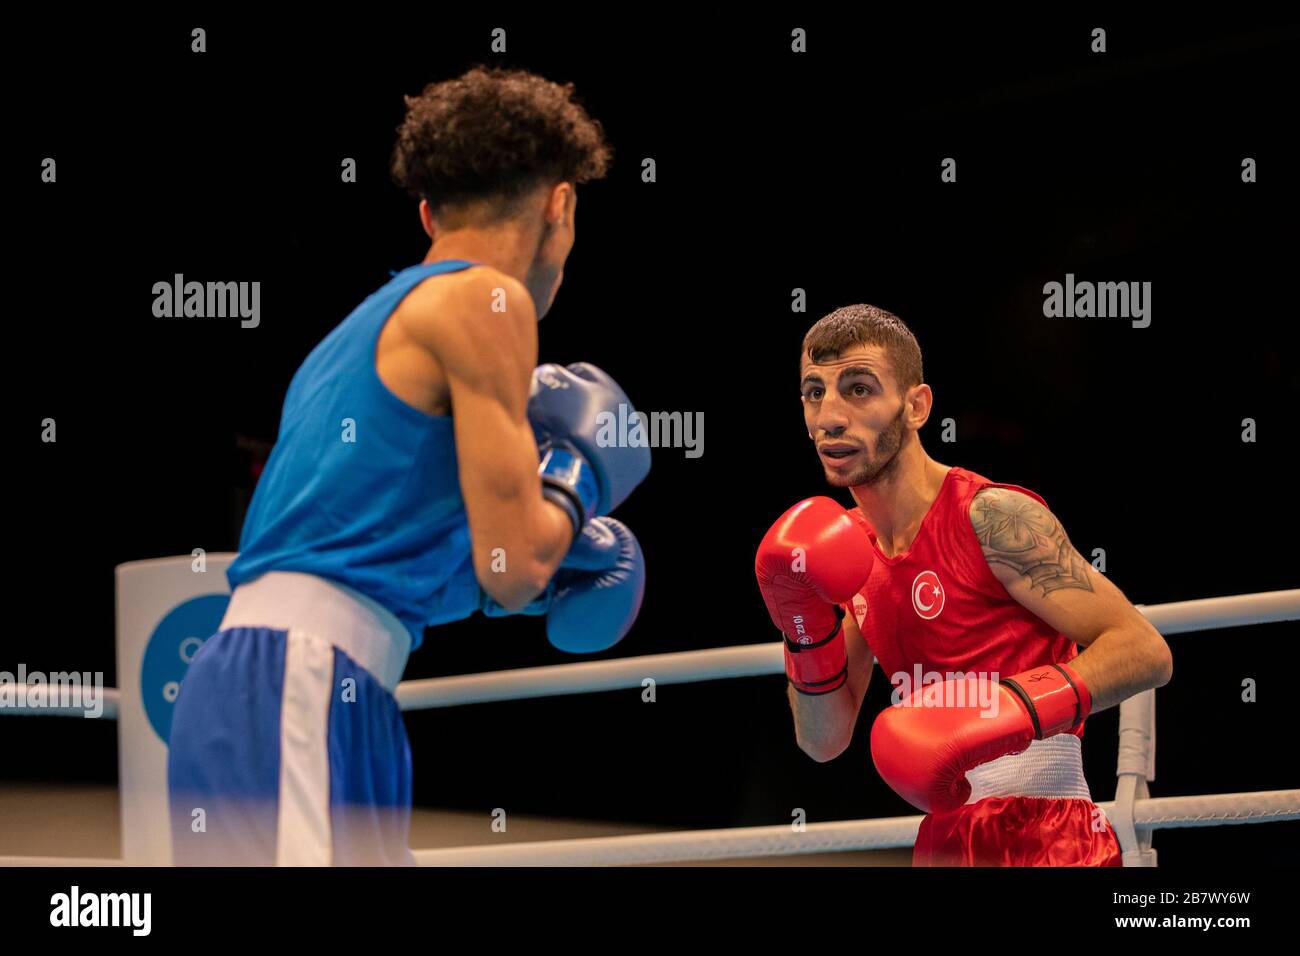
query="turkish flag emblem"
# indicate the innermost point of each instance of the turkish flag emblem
(927, 595)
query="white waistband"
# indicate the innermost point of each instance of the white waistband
(1049, 768)
(361, 627)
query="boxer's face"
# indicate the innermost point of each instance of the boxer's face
(855, 413)
(558, 232)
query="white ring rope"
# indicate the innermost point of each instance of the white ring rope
(753, 660)
(690, 845)
(1205, 614)
(1261, 806)
(783, 840)
(748, 660)
(32, 703)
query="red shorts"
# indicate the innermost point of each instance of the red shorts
(1018, 831)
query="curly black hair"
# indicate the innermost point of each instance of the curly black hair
(495, 134)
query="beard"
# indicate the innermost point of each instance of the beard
(880, 464)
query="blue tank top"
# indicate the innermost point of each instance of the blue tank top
(361, 488)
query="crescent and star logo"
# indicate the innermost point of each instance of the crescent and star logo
(927, 595)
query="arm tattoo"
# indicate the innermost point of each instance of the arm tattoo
(1016, 531)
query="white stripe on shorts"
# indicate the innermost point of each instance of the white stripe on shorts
(304, 837)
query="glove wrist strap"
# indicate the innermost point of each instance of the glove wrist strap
(1054, 696)
(820, 667)
(571, 483)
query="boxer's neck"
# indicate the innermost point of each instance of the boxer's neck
(898, 503)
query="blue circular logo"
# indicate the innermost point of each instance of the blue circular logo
(167, 656)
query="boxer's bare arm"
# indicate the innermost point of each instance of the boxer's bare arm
(823, 725)
(487, 355)
(1030, 553)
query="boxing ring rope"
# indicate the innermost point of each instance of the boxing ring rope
(781, 840)
(758, 660)
(1134, 814)
(747, 660)
(34, 703)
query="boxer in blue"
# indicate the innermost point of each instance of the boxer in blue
(424, 469)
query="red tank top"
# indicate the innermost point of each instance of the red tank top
(938, 605)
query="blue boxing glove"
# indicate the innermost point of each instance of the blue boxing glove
(595, 595)
(584, 468)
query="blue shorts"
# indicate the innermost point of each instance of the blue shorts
(285, 751)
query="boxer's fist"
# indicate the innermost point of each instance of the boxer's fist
(815, 558)
(571, 410)
(923, 746)
(595, 595)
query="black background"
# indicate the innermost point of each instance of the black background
(775, 172)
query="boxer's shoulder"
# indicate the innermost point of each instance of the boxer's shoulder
(471, 312)
(469, 297)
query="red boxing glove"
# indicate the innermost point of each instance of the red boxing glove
(923, 748)
(815, 558)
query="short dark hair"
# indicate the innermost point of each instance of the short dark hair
(855, 325)
(495, 134)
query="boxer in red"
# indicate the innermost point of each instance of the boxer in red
(969, 594)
